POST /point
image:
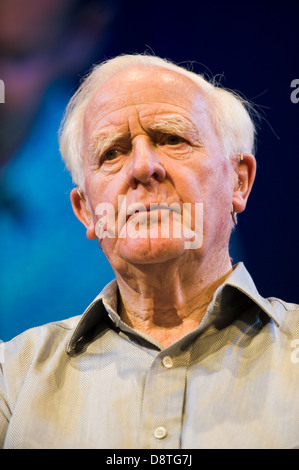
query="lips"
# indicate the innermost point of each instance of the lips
(151, 206)
(142, 209)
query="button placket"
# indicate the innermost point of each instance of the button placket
(163, 402)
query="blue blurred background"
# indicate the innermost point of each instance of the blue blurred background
(49, 270)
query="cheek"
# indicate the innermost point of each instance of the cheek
(220, 202)
(210, 183)
(96, 187)
(202, 179)
(221, 193)
(103, 196)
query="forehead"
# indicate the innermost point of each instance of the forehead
(152, 92)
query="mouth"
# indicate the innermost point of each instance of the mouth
(136, 207)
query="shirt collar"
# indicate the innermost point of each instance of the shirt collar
(241, 280)
(101, 306)
(105, 304)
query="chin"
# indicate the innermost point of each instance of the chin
(150, 251)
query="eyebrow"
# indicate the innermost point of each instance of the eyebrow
(175, 124)
(101, 141)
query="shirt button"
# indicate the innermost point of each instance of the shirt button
(167, 362)
(160, 432)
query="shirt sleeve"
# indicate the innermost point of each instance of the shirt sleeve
(4, 408)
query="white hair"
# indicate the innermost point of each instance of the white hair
(229, 112)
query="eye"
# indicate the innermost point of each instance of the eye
(173, 140)
(111, 154)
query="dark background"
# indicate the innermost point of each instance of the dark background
(49, 270)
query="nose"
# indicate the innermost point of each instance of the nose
(145, 164)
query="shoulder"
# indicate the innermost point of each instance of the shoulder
(35, 344)
(34, 353)
(33, 335)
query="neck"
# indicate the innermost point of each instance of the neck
(166, 301)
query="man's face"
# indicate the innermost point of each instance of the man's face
(148, 137)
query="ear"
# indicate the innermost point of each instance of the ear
(83, 213)
(246, 174)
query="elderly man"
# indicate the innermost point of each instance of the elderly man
(180, 350)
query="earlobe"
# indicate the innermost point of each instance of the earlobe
(246, 175)
(81, 211)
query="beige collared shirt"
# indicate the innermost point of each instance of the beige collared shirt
(93, 382)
